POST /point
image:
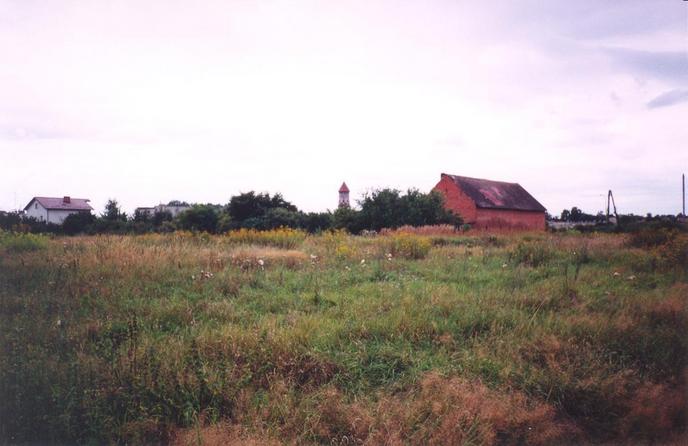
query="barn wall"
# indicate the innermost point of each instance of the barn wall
(456, 200)
(508, 219)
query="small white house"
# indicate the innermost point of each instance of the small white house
(55, 210)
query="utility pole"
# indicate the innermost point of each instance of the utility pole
(683, 178)
(610, 200)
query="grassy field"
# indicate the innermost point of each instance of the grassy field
(271, 338)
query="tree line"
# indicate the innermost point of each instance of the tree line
(381, 208)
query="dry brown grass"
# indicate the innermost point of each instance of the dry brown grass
(655, 410)
(438, 411)
(221, 434)
(423, 230)
(456, 411)
(253, 255)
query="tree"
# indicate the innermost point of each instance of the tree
(576, 214)
(177, 203)
(387, 208)
(380, 209)
(141, 216)
(281, 217)
(201, 217)
(113, 212)
(159, 217)
(249, 210)
(419, 209)
(10, 220)
(317, 221)
(347, 218)
(77, 223)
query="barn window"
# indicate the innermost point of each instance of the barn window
(35, 206)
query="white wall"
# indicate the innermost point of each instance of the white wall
(58, 216)
(37, 211)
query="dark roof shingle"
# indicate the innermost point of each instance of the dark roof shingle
(490, 194)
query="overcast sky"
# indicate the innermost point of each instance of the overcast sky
(148, 101)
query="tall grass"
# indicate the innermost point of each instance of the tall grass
(280, 338)
(15, 242)
(281, 238)
(409, 246)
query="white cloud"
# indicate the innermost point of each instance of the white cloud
(155, 101)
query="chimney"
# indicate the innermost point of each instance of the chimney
(66, 200)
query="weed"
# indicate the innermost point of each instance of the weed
(409, 246)
(15, 242)
(533, 254)
(282, 238)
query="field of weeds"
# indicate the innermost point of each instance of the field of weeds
(283, 338)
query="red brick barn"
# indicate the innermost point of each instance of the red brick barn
(487, 204)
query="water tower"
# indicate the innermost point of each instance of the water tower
(343, 196)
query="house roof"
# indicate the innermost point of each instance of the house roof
(343, 188)
(59, 203)
(490, 194)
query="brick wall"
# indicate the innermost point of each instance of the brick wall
(508, 219)
(456, 200)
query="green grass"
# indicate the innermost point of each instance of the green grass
(477, 340)
(11, 242)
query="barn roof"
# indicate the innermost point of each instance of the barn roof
(490, 194)
(62, 203)
(344, 188)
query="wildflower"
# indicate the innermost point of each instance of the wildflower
(616, 274)
(261, 262)
(389, 256)
(347, 268)
(632, 277)
(504, 265)
(362, 261)
(314, 257)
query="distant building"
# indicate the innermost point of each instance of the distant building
(174, 208)
(488, 204)
(55, 210)
(343, 196)
(144, 211)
